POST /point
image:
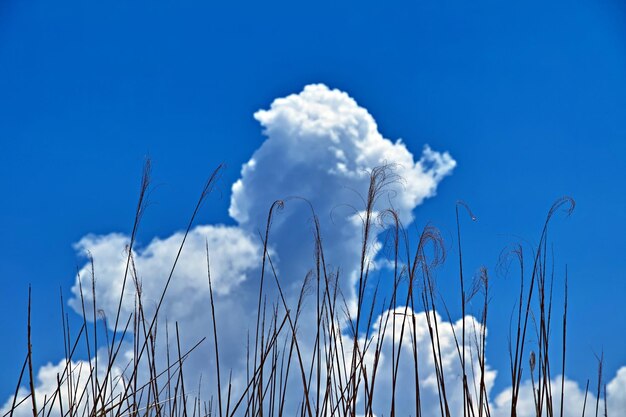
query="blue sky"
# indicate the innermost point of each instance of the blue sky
(528, 98)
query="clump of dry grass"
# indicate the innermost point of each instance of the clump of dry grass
(338, 377)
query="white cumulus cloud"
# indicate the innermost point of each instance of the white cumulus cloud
(235, 253)
(322, 146)
(319, 151)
